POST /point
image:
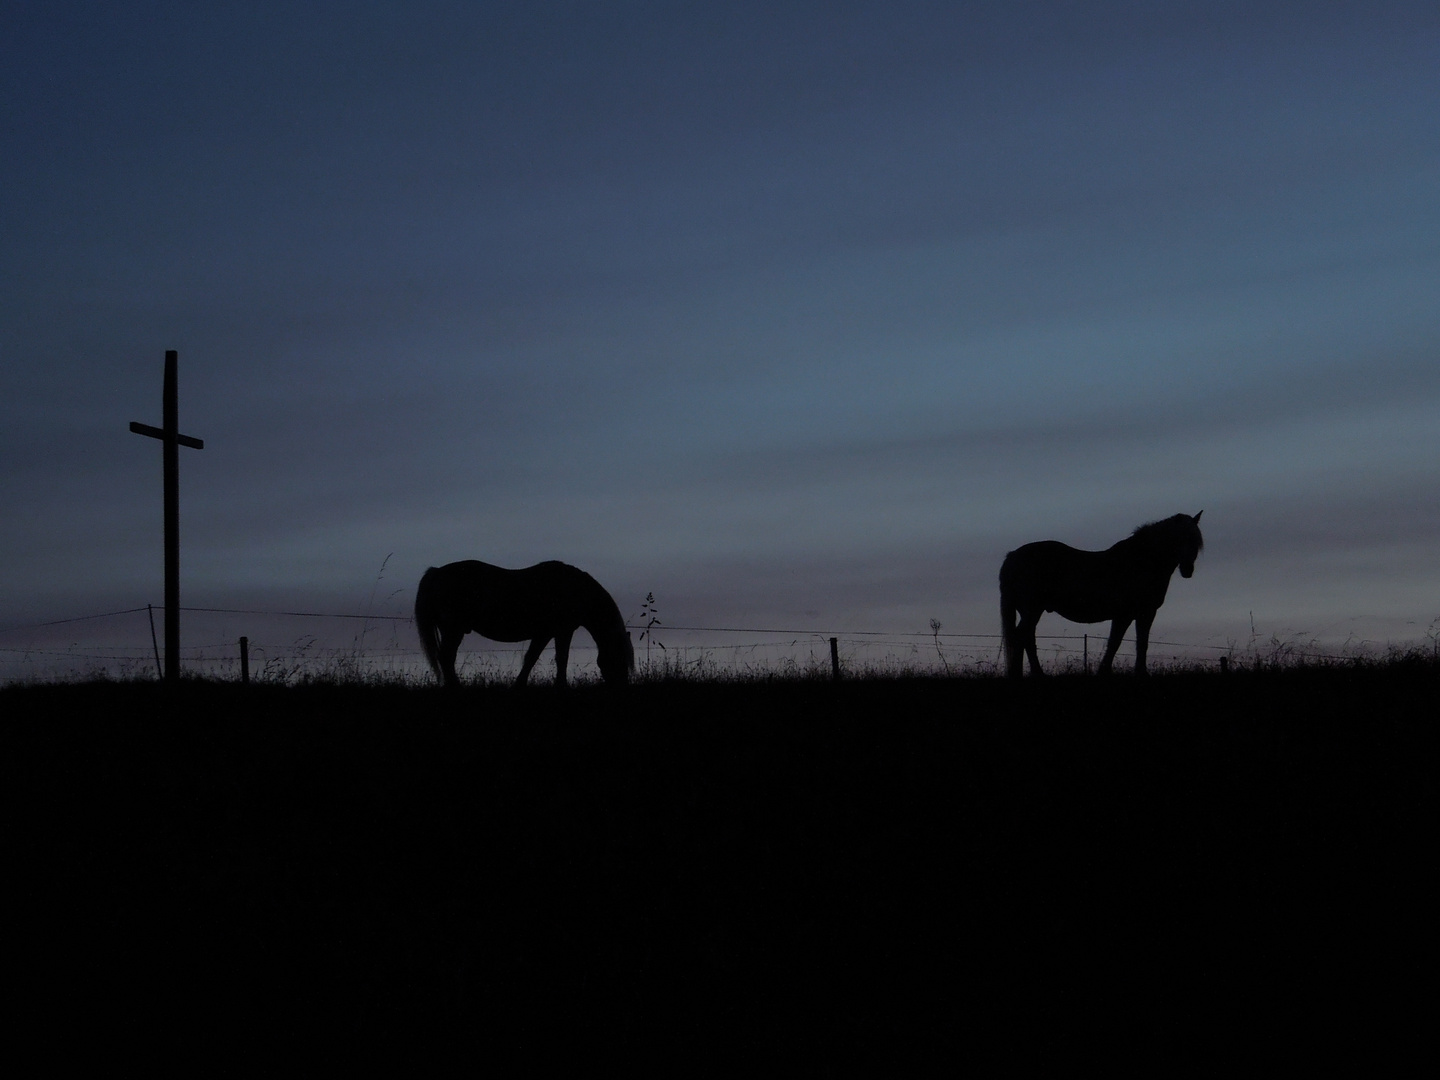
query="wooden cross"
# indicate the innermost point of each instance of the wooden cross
(173, 440)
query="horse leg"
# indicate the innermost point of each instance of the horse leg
(1142, 639)
(562, 655)
(1025, 632)
(1014, 658)
(449, 647)
(1014, 655)
(531, 655)
(1117, 635)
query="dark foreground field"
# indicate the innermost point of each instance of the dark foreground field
(1190, 870)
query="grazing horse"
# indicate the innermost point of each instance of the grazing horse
(541, 602)
(1125, 583)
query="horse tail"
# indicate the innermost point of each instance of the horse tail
(1014, 655)
(427, 621)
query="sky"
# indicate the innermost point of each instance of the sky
(791, 314)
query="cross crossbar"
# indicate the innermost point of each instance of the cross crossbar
(158, 433)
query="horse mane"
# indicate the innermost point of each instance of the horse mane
(605, 604)
(605, 608)
(1153, 531)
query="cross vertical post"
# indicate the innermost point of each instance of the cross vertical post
(172, 440)
(171, 422)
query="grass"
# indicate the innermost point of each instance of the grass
(303, 662)
(880, 865)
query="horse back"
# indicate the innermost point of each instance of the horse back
(1083, 586)
(508, 605)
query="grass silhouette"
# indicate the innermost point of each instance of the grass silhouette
(882, 862)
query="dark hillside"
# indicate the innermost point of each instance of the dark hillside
(882, 865)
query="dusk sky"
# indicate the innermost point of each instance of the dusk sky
(793, 314)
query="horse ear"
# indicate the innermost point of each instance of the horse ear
(1196, 518)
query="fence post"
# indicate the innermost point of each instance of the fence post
(835, 659)
(244, 661)
(159, 671)
(1224, 665)
(1086, 654)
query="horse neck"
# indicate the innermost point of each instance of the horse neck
(1158, 550)
(601, 618)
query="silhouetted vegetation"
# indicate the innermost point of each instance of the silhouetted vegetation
(882, 864)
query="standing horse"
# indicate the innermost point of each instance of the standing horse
(541, 602)
(1125, 583)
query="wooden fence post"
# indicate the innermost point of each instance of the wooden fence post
(1224, 665)
(244, 661)
(835, 659)
(159, 671)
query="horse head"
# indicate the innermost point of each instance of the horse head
(616, 660)
(1191, 543)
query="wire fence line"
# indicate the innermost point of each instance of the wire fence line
(76, 619)
(907, 634)
(210, 610)
(873, 650)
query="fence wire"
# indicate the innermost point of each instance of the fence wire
(48, 656)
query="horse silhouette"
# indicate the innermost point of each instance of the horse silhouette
(549, 600)
(1124, 583)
